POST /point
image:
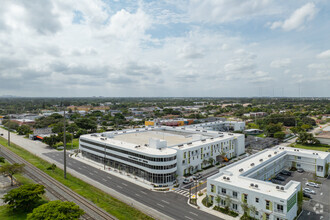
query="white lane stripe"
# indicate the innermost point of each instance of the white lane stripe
(124, 184)
(104, 180)
(143, 192)
(137, 195)
(119, 187)
(160, 205)
(79, 168)
(188, 217)
(91, 174)
(95, 171)
(193, 213)
(109, 177)
(165, 202)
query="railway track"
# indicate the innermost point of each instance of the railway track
(57, 189)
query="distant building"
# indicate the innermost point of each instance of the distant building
(221, 125)
(253, 131)
(23, 121)
(324, 137)
(255, 114)
(260, 143)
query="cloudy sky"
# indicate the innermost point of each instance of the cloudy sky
(165, 48)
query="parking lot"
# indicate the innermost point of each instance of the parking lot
(318, 207)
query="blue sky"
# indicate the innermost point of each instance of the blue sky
(165, 48)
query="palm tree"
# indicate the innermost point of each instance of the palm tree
(253, 210)
(227, 202)
(211, 160)
(218, 199)
(245, 208)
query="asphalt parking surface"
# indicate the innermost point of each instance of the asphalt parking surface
(318, 207)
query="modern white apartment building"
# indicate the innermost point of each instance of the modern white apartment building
(158, 154)
(246, 181)
(221, 126)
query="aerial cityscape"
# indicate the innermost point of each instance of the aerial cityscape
(188, 110)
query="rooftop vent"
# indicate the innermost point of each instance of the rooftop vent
(189, 143)
(282, 188)
(197, 130)
(103, 135)
(95, 135)
(224, 177)
(252, 164)
(220, 133)
(261, 160)
(103, 139)
(124, 131)
(313, 153)
(180, 145)
(228, 178)
(203, 139)
(275, 152)
(252, 184)
(212, 138)
(116, 132)
(277, 187)
(317, 153)
(230, 134)
(269, 155)
(137, 130)
(241, 170)
(256, 185)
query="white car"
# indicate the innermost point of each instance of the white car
(188, 180)
(312, 184)
(307, 190)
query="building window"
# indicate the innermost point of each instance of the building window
(267, 216)
(222, 202)
(212, 188)
(257, 200)
(280, 208)
(234, 206)
(245, 197)
(299, 158)
(319, 168)
(184, 155)
(235, 194)
(257, 213)
(223, 191)
(267, 205)
(298, 165)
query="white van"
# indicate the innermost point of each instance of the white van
(188, 180)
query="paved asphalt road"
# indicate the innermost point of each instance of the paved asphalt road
(171, 204)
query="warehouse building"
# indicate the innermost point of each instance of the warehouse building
(246, 181)
(159, 154)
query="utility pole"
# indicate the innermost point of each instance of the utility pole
(64, 144)
(9, 132)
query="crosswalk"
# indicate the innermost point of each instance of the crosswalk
(182, 192)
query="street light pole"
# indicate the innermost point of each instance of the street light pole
(64, 145)
(9, 132)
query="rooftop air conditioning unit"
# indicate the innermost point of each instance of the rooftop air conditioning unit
(228, 178)
(277, 187)
(224, 177)
(261, 160)
(282, 188)
(256, 185)
(317, 153)
(275, 152)
(241, 170)
(269, 155)
(252, 164)
(252, 184)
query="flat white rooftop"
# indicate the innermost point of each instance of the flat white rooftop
(142, 138)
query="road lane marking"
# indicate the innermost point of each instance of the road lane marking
(84, 166)
(95, 171)
(160, 205)
(144, 193)
(104, 180)
(109, 177)
(119, 187)
(193, 213)
(124, 184)
(165, 202)
(91, 174)
(137, 195)
(188, 217)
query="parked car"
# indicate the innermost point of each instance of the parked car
(300, 170)
(312, 184)
(278, 177)
(197, 176)
(276, 181)
(308, 190)
(188, 180)
(285, 172)
(307, 195)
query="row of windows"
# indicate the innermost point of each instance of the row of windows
(151, 177)
(157, 159)
(131, 160)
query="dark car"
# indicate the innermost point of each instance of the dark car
(307, 195)
(285, 172)
(281, 178)
(300, 170)
(276, 181)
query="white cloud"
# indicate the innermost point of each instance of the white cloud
(280, 63)
(298, 18)
(324, 55)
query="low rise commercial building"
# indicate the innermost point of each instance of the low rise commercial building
(159, 154)
(246, 181)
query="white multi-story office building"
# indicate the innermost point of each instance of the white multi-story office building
(158, 154)
(246, 181)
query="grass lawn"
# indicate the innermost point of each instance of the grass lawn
(262, 135)
(310, 147)
(6, 214)
(103, 200)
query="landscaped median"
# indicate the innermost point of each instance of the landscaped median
(112, 205)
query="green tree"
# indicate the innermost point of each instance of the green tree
(52, 167)
(51, 141)
(307, 138)
(2, 159)
(11, 169)
(279, 135)
(56, 210)
(227, 202)
(211, 160)
(245, 208)
(271, 129)
(24, 198)
(24, 130)
(306, 127)
(11, 125)
(253, 210)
